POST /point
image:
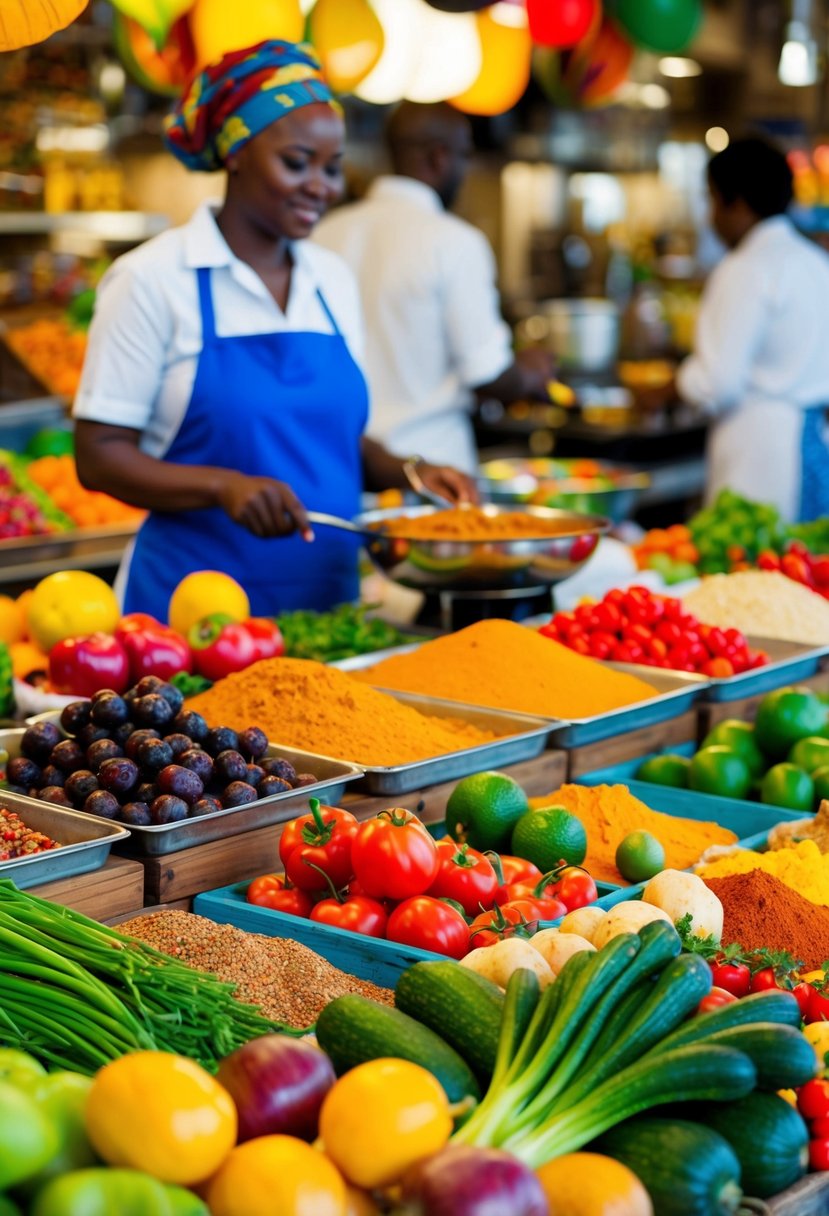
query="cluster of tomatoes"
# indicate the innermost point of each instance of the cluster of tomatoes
(388, 877)
(813, 1104)
(736, 974)
(637, 626)
(798, 564)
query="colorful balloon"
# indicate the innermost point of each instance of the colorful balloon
(604, 65)
(664, 26)
(157, 17)
(349, 40)
(219, 26)
(562, 23)
(460, 6)
(166, 71)
(26, 22)
(507, 54)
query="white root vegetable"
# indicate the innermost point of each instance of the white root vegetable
(557, 947)
(583, 921)
(627, 917)
(679, 893)
(498, 962)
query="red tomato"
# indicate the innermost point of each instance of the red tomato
(669, 632)
(817, 1007)
(802, 993)
(550, 630)
(819, 1154)
(715, 998)
(627, 652)
(393, 856)
(510, 921)
(637, 633)
(270, 891)
(575, 888)
(608, 617)
(656, 649)
(820, 570)
(538, 907)
(601, 645)
(763, 980)
(813, 1099)
(359, 914)
(718, 669)
(429, 924)
(512, 891)
(797, 568)
(323, 848)
(819, 1128)
(768, 560)
(733, 977)
(466, 876)
(579, 643)
(517, 869)
(292, 833)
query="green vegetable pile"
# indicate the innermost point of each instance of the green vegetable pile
(328, 636)
(76, 995)
(735, 529)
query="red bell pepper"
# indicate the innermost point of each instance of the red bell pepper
(267, 637)
(317, 847)
(220, 646)
(153, 649)
(82, 666)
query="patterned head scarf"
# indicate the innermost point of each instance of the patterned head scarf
(232, 100)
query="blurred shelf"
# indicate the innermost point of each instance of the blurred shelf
(116, 226)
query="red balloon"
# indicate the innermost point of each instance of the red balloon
(561, 23)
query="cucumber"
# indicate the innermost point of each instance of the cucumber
(769, 1137)
(353, 1029)
(687, 1169)
(464, 1008)
(772, 1006)
(784, 1059)
(520, 1004)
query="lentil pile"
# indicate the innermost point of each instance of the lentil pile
(289, 982)
(801, 867)
(478, 524)
(507, 666)
(761, 603)
(307, 705)
(19, 840)
(759, 910)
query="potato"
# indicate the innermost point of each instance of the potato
(556, 947)
(498, 962)
(627, 917)
(583, 921)
(679, 893)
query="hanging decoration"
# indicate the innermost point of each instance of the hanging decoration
(157, 17)
(349, 40)
(506, 57)
(663, 26)
(600, 65)
(460, 6)
(165, 71)
(26, 22)
(562, 23)
(219, 26)
(427, 56)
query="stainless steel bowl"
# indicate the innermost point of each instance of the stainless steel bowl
(517, 480)
(482, 566)
(583, 334)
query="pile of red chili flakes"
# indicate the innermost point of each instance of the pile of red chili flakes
(17, 840)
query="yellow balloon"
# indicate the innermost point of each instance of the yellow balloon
(219, 26)
(349, 40)
(25, 22)
(506, 49)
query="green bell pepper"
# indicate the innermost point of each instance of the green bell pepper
(19, 1069)
(114, 1192)
(61, 1097)
(27, 1138)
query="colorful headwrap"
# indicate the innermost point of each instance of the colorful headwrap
(233, 100)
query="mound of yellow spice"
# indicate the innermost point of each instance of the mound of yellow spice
(507, 666)
(610, 812)
(801, 866)
(302, 704)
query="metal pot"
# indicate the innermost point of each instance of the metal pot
(583, 334)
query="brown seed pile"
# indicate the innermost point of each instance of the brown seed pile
(289, 982)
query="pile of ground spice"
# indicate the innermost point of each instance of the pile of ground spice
(290, 983)
(610, 812)
(759, 910)
(479, 524)
(303, 704)
(801, 867)
(507, 666)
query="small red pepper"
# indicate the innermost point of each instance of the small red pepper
(220, 646)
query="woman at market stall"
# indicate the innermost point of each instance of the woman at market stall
(222, 388)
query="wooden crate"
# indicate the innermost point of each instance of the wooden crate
(632, 745)
(116, 890)
(714, 712)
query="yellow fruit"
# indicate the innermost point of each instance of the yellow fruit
(163, 1114)
(71, 604)
(202, 593)
(277, 1174)
(818, 1035)
(23, 601)
(11, 620)
(218, 27)
(26, 658)
(588, 1184)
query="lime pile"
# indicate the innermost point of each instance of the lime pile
(483, 810)
(640, 856)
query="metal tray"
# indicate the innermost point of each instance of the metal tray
(677, 691)
(788, 661)
(85, 841)
(522, 737)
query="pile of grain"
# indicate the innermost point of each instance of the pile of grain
(290, 983)
(761, 603)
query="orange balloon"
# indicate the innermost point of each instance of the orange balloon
(219, 26)
(25, 22)
(349, 40)
(609, 59)
(505, 72)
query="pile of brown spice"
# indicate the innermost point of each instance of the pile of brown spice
(289, 982)
(759, 910)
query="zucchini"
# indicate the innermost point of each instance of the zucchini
(464, 1008)
(784, 1059)
(520, 1004)
(771, 1006)
(687, 1169)
(353, 1029)
(767, 1134)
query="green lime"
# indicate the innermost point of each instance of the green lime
(788, 786)
(738, 737)
(550, 835)
(51, 441)
(719, 770)
(821, 780)
(810, 754)
(786, 716)
(665, 770)
(639, 856)
(483, 809)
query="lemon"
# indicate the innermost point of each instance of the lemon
(817, 1034)
(550, 835)
(202, 593)
(639, 856)
(483, 809)
(71, 604)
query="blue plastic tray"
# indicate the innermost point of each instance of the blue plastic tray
(789, 662)
(676, 692)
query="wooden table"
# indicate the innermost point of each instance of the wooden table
(632, 745)
(713, 712)
(116, 890)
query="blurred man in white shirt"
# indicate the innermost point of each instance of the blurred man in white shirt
(436, 341)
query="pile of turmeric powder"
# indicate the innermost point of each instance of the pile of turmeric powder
(610, 812)
(507, 666)
(802, 867)
(479, 524)
(302, 704)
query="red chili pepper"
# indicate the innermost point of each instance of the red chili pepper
(82, 666)
(319, 844)
(220, 646)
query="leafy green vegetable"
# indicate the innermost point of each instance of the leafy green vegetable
(345, 631)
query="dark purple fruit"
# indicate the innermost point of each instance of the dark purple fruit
(52, 775)
(80, 784)
(102, 803)
(178, 744)
(118, 775)
(198, 762)
(275, 766)
(102, 694)
(148, 684)
(23, 771)
(305, 779)
(230, 766)
(166, 808)
(151, 710)
(52, 793)
(145, 792)
(75, 716)
(181, 782)
(136, 739)
(154, 754)
(68, 756)
(255, 774)
(272, 785)
(103, 749)
(38, 741)
(189, 723)
(206, 806)
(109, 710)
(123, 732)
(221, 739)
(137, 814)
(11, 788)
(173, 696)
(238, 793)
(90, 734)
(253, 743)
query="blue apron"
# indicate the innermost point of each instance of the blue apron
(814, 466)
(287, 405)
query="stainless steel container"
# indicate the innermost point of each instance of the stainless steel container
(583, 334)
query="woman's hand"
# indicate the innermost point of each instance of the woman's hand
(450, 483)
(264, 506)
